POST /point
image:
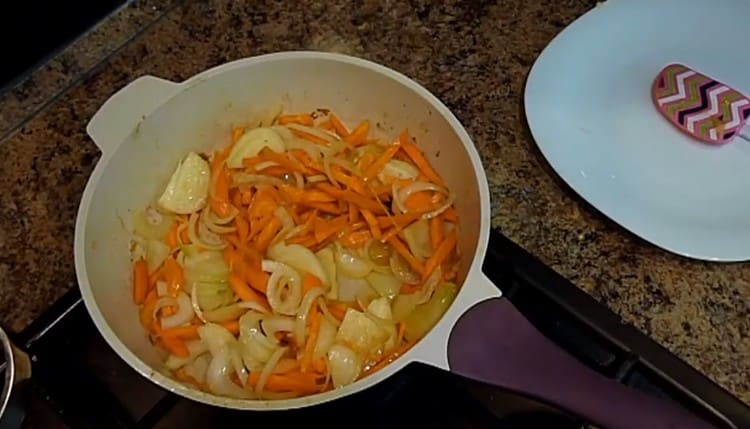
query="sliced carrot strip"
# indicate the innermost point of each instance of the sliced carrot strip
(308, 136)
(311, 340)
(310, 281)
(140, 281)
(418, 158)
(339, 126)
(379, 163)
(406, 254)
(372, 222)
(359, 135)
(243, 291)
(436, 232)
(440, 254)
(302, 119)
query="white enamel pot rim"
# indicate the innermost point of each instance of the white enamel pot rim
(122, 115)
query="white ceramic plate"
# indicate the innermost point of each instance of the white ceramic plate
(589, 109)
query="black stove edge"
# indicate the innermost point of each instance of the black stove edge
(518, 262)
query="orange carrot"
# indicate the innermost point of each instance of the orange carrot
(351, 197)
(319, 365)
(298, 382)
(219, 200)
(366, 160)
(450, 215)
(323, 229)
(359, 135)
(232, 326)
(440, 254)
(140, 281)
(339, 126)
(436, 232)
(353, 213)
(243, 228)
(174, 276)
(419, 202)
(283, 161)
(286, 365)
(309, 281)
(308, 136)
(255, 276)
(187, 332)
(418, 158)
(379, 163)
(311, 340)
(302, 119)
(265, 237)
(398, 220)
(338, 309)
(406, 254)
(147, 310)
(237, 132)
(175, 346)
(171, 239)
(243, 291)
(372, 222)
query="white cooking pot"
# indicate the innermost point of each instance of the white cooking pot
(148, 126)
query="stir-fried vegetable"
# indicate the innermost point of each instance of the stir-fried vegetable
(299, 258)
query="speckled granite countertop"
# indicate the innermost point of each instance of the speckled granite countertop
(474, 55)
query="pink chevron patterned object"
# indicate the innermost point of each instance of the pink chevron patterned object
(698, 105)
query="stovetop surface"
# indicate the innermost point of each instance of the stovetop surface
(79, 382)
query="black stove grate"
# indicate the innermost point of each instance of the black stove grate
(79, 382)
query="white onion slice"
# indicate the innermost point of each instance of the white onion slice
(252, 305)
(298, 179)
(304, 310)
(194, 237)
(446, 205)
(317, 132)
(183, 315)
(194, 302)
(267, 369)
(327, 313)
(208, 219)
(273, 324)
(429, 286)
(284, 291)
(165, 301)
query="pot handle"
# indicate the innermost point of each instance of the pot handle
(120, 114)
(494, 343)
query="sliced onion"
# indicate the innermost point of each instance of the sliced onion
(286, 219)
(198, 368)
(207, 236)
(446, 205)
(350, 265)
(428, 287)
(214, 218)
(273, 324)
(194, 302)
(327, 313)
(317, 132)
(209, 220)
(252, 305)
(263, 165)
(304, 310)
(195, 349)
(326, 338)
(402, 270)
(165, 301)
(328, 172)
(224, 314)
(195, 239)
(268, 369)
(298, 179)
(345, 365)
(183, 315)
(217, 378)
(350, 288)
(298, 257)
(284, 290)
(180, 229)
(346, 165)
(156, 253)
